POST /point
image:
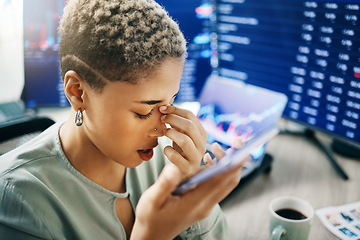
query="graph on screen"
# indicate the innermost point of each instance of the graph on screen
(227, 127)
(229, 109)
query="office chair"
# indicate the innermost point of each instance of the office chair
(17, 132)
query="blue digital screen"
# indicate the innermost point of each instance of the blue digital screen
(193, 17)
(43, 83)
(309, 50)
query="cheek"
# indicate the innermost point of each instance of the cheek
(117, 138)
(108, 126)
(121, 127)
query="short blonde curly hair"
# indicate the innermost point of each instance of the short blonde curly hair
(116, 40)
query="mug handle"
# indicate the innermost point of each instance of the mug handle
(278, 232)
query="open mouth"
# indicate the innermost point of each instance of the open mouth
(146, 155)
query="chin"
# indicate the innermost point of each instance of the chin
(131, 161)
(134, 162)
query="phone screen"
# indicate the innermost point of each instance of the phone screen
(233, 157)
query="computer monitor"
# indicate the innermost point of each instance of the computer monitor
(193, 17)
(309, 50)
(43, 83)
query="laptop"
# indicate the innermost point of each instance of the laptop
(13, 111)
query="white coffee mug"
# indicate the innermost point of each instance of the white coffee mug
(290, 218)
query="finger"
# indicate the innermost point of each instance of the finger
(186, 144)
(168, 179)
(177, 148)
(177, 159)
(238, 143)
(188, 127)
(225, 182)
(183, 113)
(208, 160)
(217, 150)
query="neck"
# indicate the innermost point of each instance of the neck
(89, 161)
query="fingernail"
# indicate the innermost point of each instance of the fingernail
(163, 117)
(163, 108)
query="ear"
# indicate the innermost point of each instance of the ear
(74, 89)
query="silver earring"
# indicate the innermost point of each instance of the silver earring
(155, 129)
(78, 118)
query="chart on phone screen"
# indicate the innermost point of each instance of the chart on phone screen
(229, 110)
(227, 127)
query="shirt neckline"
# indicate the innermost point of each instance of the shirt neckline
(79, 175)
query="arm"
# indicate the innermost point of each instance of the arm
(160, 215)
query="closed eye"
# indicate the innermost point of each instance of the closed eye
(143, 117)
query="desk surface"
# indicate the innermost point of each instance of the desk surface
(298, 169)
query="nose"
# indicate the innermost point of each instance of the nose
(157, 128)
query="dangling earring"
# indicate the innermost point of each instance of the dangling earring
(78, 118)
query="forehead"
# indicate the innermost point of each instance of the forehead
(160, 84)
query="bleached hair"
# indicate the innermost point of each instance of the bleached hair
(116, 40)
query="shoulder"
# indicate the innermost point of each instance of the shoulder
(31, 165)
(18, 217)
(41, 147)
(24, 174)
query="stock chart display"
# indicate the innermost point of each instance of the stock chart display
(309, 50)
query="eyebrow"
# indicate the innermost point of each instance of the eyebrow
(153, 102)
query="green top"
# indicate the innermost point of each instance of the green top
(42, 196)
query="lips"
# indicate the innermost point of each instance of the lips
(146, 154)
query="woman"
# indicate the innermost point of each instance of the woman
(98, 176)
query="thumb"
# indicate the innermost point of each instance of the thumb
(217, 151)
(168, 180)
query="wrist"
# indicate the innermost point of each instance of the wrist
(145, 232)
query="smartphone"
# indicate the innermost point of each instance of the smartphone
(233, 157)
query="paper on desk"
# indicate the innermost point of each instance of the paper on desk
(343, 221)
